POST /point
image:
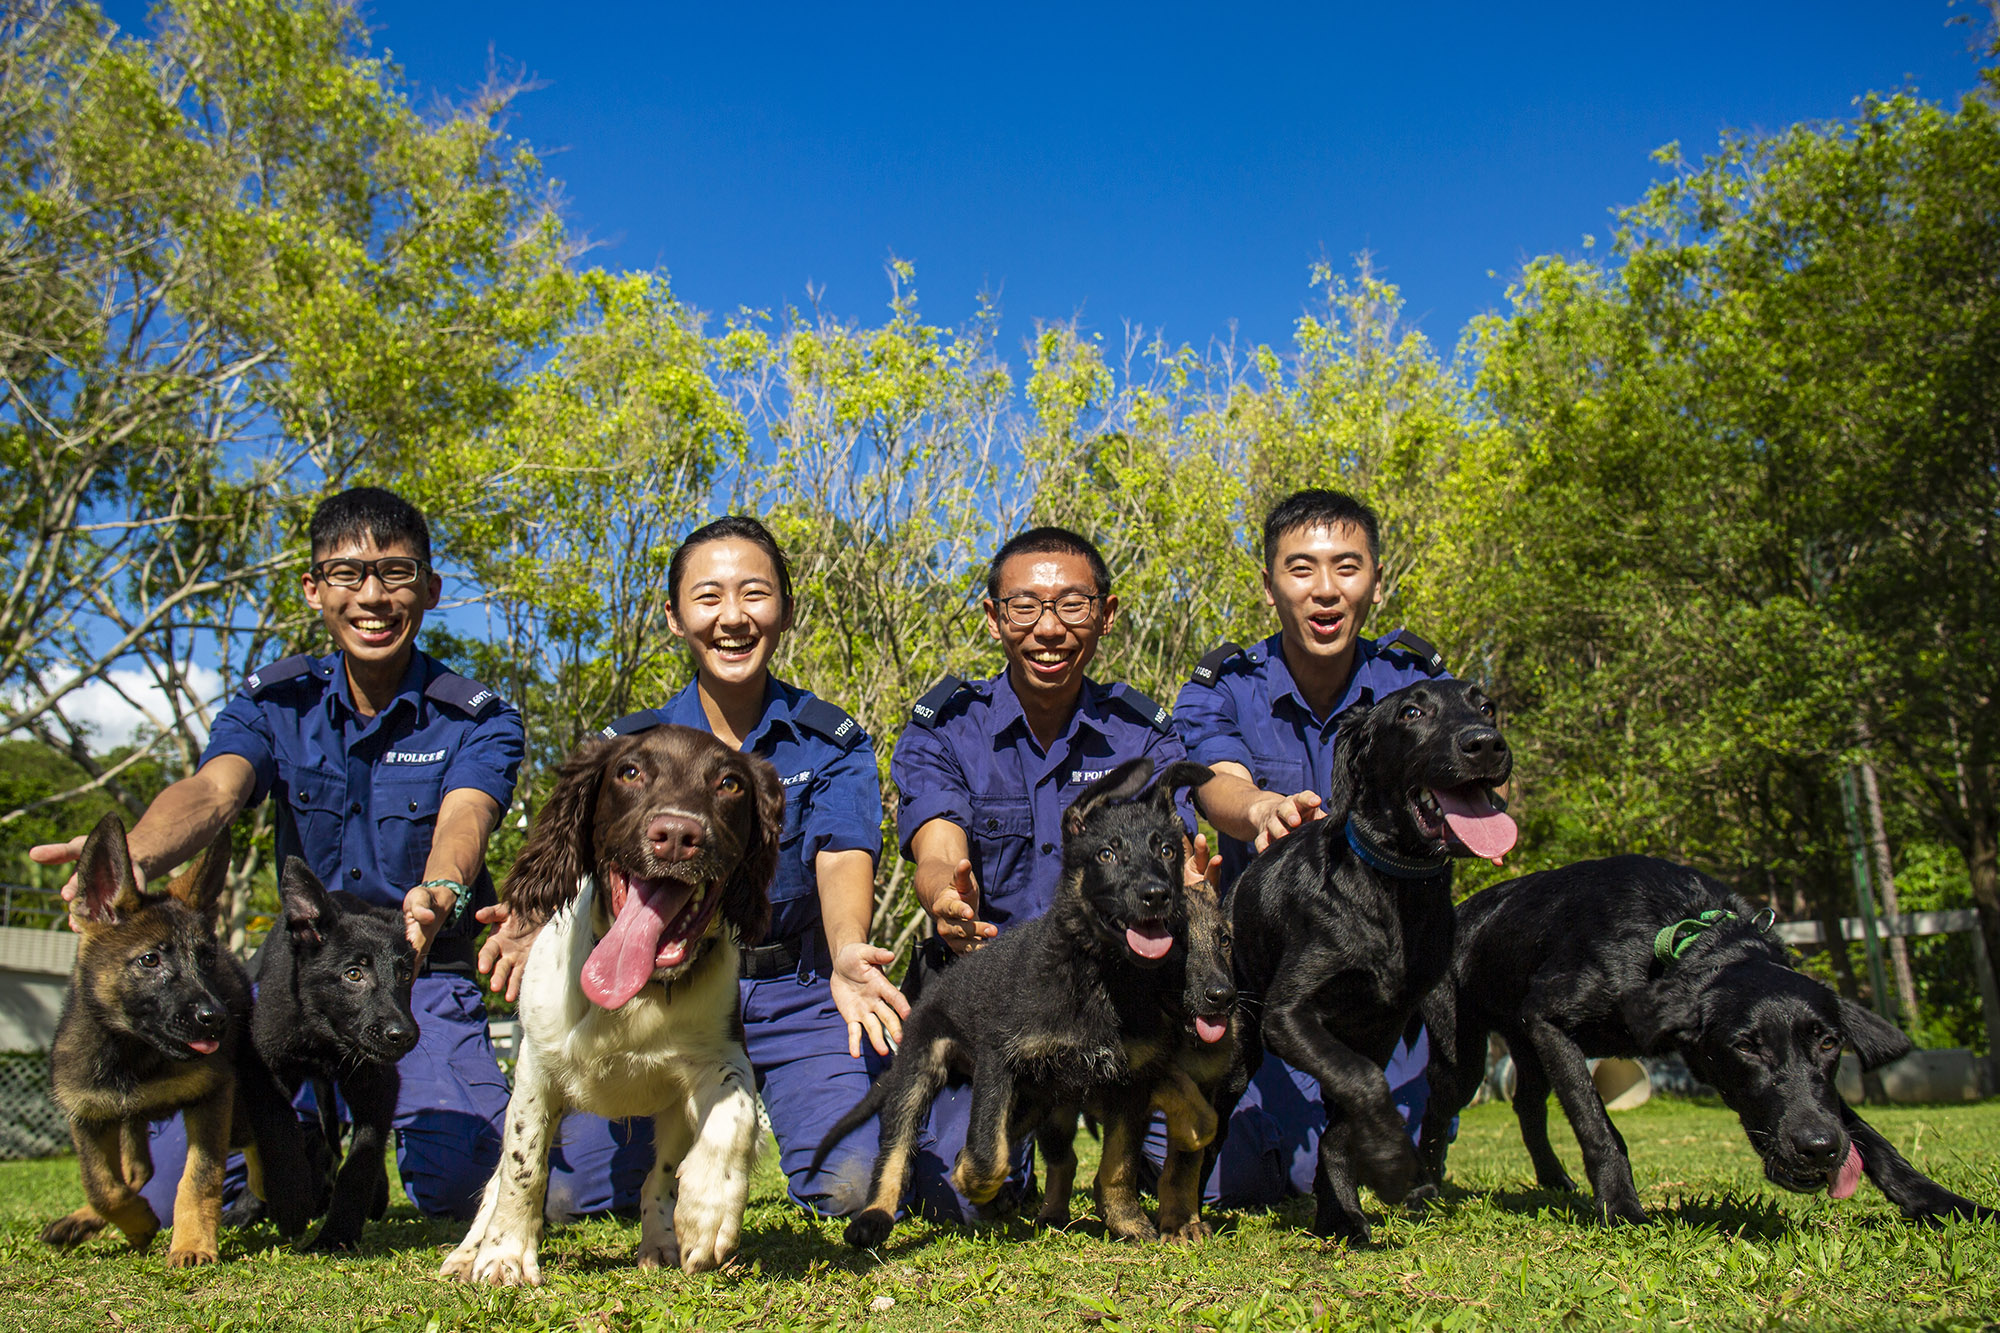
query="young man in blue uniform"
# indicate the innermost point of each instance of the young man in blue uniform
(389, 773)
(1264, 719)
(986, 769)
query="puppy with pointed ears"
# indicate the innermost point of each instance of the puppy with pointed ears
(156, 1022)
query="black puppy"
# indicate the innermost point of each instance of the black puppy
(1633, 956)
(1050, 1011)
(1343, 926)
(333, 1009)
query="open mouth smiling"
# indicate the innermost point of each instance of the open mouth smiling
(655, 924)
(1470, 818)
(1149, 940)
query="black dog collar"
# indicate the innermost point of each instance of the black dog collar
(1397, 867)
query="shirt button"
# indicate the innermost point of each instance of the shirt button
(1048, 847)
(355, 873)
(992, 825)
(413, 807)
(354, 809)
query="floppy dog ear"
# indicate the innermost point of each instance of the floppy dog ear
(106, 889)
(746, 898)
(1876, 1040)
(1352, 733)
(200, 885)
(559, 850)
(308, 908)
(1120, 784)
(1661, 1016)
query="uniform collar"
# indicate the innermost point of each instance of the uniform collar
(1283, 685)
(685, 710)
(411, 691)
(1089, 712)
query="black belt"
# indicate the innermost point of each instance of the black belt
(452, 953)
(772, 960)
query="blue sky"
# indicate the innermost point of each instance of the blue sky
(1178, 166)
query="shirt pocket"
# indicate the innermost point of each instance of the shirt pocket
(1003, 847)
(314, 797)
(795, 878)
(1281, 775)
(406, 811)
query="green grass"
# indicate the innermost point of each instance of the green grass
(1724, 1250)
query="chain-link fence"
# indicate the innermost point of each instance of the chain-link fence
(30, 1123)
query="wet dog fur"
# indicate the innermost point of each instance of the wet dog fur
(1562, 965)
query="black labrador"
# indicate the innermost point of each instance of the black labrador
(1051, 1012)
(1635, 956)
(1342, 927)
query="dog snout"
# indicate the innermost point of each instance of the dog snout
(210, 1017)
(1817, 1147)
(675, 837)
(1481, 743)
(398, 1036)
(1221, 995)
(1156, 898)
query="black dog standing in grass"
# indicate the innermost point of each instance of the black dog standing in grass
(1633, 956)
(333, 1009)
(1051, 1011)
(1342, 927)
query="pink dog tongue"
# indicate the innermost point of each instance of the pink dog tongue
(205, 1047)
(1840, 1181)
(1483, 828)
(1149, 941)
(1210, 1029)
(623, 961)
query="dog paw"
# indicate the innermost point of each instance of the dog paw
(507, 1263)
(459, 1262)
(246, 1211)
(706, 1232)
(191, 1258)
(329, 1241)
(869, 1228)
(1333, 1222)
(1139, 1230)
(658, 1252)
(1054, 1216)
(1621, 1212)
(1188, 1232)
(74, 1229)
(1388, 1164)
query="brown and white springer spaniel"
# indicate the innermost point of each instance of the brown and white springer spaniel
(650, 863)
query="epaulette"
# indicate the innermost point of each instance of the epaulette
(1209, 669)
(467, 696)
(1153, 714)
(924, 712)
(643, 720)
(1429, 658)
(265, 679)
(830, 721)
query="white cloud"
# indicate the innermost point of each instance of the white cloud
(113, 722)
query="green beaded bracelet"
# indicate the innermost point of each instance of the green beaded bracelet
(463, 892)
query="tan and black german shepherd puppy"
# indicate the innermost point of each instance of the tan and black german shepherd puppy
(157, 1021)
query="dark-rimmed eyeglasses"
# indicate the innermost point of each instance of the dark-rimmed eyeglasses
(395, 571)
(1072, 609)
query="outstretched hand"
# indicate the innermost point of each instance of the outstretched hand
(867, 999)
(956, 912)
(1279, 815)
(504, 952)
(1200, 865)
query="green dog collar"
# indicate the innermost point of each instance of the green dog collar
(1673, 941)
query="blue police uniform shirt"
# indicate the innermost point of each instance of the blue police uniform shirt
(833, 794)
(969, 756)
(358, 796)
(1253, 714)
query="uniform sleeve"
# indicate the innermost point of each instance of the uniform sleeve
(489, 759)
(1166, 748)
(846, 810)
(242, 730)
(1206, 723)
(930, 784)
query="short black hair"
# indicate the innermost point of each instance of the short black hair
(739, 527)
(361, 512)
(1317, 507)
(1050, 541)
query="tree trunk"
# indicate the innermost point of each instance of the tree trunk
(1885, 880)
(1982, 863)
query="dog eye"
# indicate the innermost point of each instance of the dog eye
(731, 783)
(355, 974)
(149, 959)
(628, 772)
(1486, 707)
(1410, 712)
(1167, 851)
(1829, 1042)
(1748, 1048)
(1106, 855)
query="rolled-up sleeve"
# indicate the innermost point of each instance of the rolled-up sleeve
(242, 730)
(930, 784)
(489, 759)
(845, 814)
(1205, 720)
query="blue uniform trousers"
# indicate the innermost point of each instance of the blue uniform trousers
(1272, 1149)
(448, 1114)
(798, 1047)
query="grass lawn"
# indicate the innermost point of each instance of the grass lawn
(1724, 1250)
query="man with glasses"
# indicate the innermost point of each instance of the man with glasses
(389, 773)
(986, 769)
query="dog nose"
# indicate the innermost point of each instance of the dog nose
(401, 1036)
(1156, 897)
(1480, 742)
(1221, 997)
(1818, 1149)
(210, 1016)
(675, 837)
